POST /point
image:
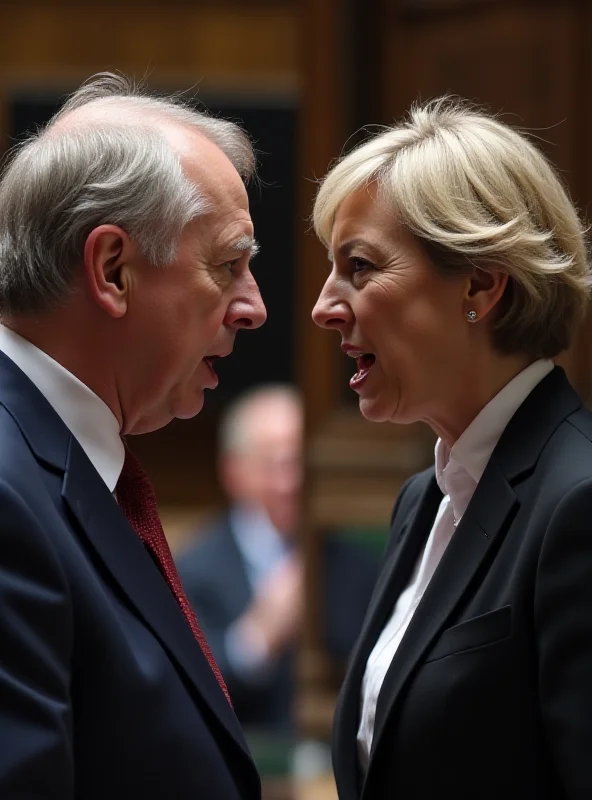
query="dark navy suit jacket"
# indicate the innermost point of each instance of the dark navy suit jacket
(104, 692)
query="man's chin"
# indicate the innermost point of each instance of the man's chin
(190, 410)
(148, 425)
(155, 422)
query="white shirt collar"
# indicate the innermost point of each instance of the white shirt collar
(459, 470)
(88, 418)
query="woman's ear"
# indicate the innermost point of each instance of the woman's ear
(107, 253)
(484, 290)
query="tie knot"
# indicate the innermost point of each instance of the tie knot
(132, 470)
(135, 494)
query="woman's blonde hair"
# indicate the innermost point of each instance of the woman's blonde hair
(478, 194)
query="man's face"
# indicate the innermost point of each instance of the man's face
(182, 316)
(267, 473)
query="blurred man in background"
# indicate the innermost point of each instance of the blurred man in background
(244, 575)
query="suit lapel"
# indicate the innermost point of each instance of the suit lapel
(130, 564)
(477, 535)
(391, 582)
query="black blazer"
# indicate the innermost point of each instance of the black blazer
(104, 692)
(489, 695)
(214, 574)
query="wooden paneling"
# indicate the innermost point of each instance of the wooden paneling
(214, 47)
(324, 122)
(324, 126)
(516, 62)
(238, 42)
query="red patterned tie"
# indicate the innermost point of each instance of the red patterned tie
(138, 502)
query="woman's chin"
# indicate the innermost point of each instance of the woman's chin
(372, 410)
(383, 407)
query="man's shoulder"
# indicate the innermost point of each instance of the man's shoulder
(16, 457)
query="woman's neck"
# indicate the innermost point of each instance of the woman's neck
(471, 394)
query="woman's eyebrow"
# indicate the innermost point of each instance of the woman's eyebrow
(345, 249)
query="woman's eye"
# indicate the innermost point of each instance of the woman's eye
(360, 264)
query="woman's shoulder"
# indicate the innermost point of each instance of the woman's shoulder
(412, 490)
(581, 421)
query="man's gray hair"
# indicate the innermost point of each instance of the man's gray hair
(234, 433)
(68, 179)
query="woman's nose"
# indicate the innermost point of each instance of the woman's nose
(330, 311)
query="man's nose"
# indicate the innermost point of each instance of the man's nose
(249, 310)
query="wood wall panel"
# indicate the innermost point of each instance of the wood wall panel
(516, 62)
(325, 112)
(233, 46)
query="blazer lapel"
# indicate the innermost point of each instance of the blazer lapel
(391, 582)
(487, 517)
(130, 564)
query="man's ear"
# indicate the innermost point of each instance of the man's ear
(484, 290)
(107, 253)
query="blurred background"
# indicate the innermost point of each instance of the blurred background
(303, 77)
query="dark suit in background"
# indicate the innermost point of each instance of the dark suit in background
(215, 578)
(489, 694)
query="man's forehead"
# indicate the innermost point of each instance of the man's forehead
(202, 161)
(186, 140)
(119, 111)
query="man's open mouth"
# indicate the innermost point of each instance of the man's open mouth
(209, 360)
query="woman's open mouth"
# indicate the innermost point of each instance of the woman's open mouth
(364, 362)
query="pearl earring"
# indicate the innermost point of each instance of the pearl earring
(472, 316)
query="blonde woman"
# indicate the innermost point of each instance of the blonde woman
(459, 273)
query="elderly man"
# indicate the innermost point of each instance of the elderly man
(243, 576)
(125, 240)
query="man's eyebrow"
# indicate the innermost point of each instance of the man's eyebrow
(246, 243)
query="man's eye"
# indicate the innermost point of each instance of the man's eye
(230, 264)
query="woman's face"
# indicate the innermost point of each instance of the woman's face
(405, 323)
